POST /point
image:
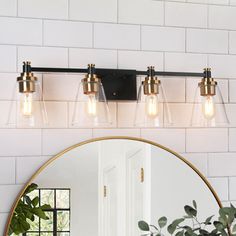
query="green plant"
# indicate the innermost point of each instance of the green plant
(26, 212)
(190, 225)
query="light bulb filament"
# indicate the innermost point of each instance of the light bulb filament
(208, 107)
(152, 106)
(27, 104)
(92, 105)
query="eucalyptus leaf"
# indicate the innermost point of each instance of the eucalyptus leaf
(218, 225)
(194, 204)
(203, 232)
(143, 226)
(171, 228)
(177, 221)
(208, 220)
(190, 211)
(162, 222)
(180, 233)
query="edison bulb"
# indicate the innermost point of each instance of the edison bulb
(26, 104)
(152, 106)
(92, 105)
(208, 107)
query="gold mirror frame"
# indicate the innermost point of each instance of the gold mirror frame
(101, 139)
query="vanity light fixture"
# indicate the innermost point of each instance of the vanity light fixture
(27, 108)
(90, 107)
(151, 109)
(208, 109)
(99, 85)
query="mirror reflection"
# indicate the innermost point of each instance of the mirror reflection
(105, 187)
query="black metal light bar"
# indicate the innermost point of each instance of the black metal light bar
(102, 71)
(119, 84)
(58, 70)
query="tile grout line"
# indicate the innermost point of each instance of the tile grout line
(117, 11)
(228, 43)
(121, 23)
(17, 8)
(140, 33)
(68, 9)
(185, 141)
(228, 182)
(207, 154)
(208, 16)
(93, 37)
(116, 48)
(43, 39)
(16, 163)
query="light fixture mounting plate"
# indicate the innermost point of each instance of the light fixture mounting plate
(118, 84)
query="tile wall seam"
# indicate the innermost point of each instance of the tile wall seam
(125, 24)
(185, 41)
(17, 58)
(16, 164)
(228, 182)
(117, 11)
(43, 39)
(17, 8)
(93, 35)
(68, 9)
(164, 12)
(120, 49)
(207, 163)
(140, 43)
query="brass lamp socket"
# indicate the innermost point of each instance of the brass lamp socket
(151, 83)
(207, 84)
(91, 81)
(26, 80)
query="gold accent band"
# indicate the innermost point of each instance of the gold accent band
(151, 85)
(27, 82)
(207, 87)
(91, 84)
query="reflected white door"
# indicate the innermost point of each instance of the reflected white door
(110, 207)
(135, 191)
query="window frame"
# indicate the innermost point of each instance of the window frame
(54, 210)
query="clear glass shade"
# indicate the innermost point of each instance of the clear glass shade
(91, 109)
(152, 110)
(27, 110)
(209, 111)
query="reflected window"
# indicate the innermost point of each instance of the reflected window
(58, 223)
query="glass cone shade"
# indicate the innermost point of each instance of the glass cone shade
(91, 110)
(209, 111)
(27, 110)
(152, 110)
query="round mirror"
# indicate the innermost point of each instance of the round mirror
(103, 187)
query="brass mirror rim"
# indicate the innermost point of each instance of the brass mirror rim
(47, 163)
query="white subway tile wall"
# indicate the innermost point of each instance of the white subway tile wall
(180, 35)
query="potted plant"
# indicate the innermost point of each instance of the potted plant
(190, 225)
(26, 211)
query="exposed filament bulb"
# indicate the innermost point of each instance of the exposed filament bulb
(92, 105)
(152, 105)
(26, 105)
(208, 107)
